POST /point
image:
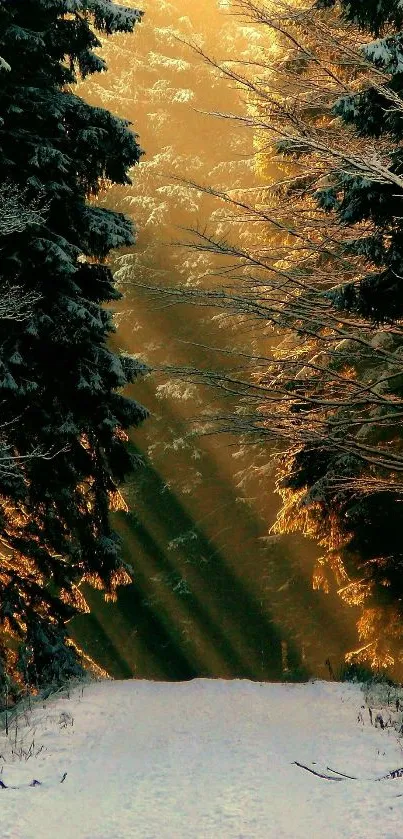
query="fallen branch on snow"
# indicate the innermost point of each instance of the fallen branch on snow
(318, 774)
(396, 773)
(33, 783)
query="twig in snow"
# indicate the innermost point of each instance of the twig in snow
(33, 783)
(318, 774)
(350, 777)
(396, 773)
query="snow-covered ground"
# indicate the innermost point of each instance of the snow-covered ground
(201, 760)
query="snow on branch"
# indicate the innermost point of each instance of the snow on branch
(17, 212)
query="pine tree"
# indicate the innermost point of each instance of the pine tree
(349, 507)
(59, 379)
(370, 15)
(375, 111)
(325, 272)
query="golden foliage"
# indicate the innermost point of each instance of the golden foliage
(74, 597)
(117, 501)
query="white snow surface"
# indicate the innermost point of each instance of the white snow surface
(205, 759)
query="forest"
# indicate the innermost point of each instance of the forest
(201, 383)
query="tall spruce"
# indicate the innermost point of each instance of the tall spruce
(376, 112)
(368, 523)
(324, 270)
(370, 15)
(59, 379)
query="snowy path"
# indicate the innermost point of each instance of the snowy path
(204, 760)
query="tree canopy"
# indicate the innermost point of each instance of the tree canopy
(320, 276)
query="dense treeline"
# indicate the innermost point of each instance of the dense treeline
(63, 419)
(316, 268)
(322, 267)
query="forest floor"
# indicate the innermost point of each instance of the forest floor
(206, 759)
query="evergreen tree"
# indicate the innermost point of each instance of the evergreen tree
(375, 111)
(370, 15)
(366, 523)
(59, 380)
(324, 271)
